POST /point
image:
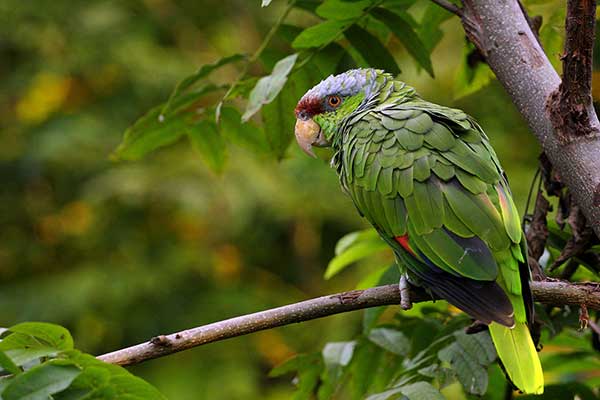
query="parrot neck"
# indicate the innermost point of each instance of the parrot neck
(382, 93)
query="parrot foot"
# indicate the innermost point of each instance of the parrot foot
(405, 301)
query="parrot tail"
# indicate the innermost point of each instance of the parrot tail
(519, 356)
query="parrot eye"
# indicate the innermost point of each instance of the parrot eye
(334, 101)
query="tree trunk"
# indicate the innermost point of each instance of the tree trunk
(500, 31)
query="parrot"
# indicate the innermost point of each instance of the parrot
(426, 177)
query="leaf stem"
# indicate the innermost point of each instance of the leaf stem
(254, 57)
(271, 33)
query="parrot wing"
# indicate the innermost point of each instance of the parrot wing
(427, 178)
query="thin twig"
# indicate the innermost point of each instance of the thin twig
(547, 292)
(526, 215)
(254, 57)
(446, 5)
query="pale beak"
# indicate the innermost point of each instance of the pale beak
(309, 134)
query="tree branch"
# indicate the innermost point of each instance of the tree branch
(571, 104)
(547, 292)
(535, 23)
(500, 31)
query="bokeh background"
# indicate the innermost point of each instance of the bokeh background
(119, 252)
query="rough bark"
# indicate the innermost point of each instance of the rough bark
(571, 105)
(547, 292)
(500, 31)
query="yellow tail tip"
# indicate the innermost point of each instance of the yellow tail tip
(517, 352)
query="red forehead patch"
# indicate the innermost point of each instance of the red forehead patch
(310, 106)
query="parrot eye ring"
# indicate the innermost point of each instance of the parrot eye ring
(334, 101)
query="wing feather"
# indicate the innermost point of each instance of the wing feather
(429, 171)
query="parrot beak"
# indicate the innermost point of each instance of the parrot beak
(309, 134)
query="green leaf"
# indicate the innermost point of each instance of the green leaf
(155, 130)
(53, 335)
(91, 380)
(289, 32)
(371, 279)
(309, 368)
(129, 387)
(371, 315)
(294, 363)
(326, 59)
(390, 339)
(429, 30)
(371, 49)
(40, 382)
(472, 75)
(342, 10)
(364, 368)
(552, 36)
(246, 135)
(445, 376)
(421, 391)
(203, 72)
(479, 345)
(278, 119)
(278, 116)
(353, 238)
(348, 240)
(386, 395)
(471, 374)
(268, 87)
(95, 384)
(319, 35)
(338, 353)
(26, 353)
(32, 340)
(242, 88)
(4, 382)
(336, 356)
(308, 5)
(8, 364)
(399, 5)
(354, 253)
(290, 365)
(399, 25)
(207, 141)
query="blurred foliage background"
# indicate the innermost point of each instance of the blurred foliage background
(121, 251)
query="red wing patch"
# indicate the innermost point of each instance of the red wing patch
(403, 240)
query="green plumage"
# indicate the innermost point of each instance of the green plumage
(418, 168)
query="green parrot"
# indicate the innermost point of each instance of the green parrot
(427, 179)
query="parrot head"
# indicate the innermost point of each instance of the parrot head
(321, 110)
